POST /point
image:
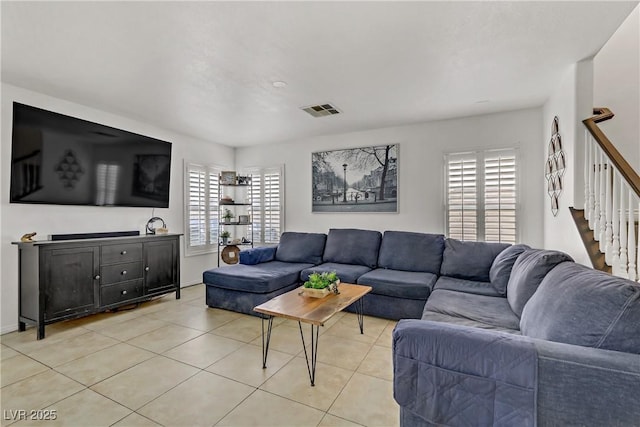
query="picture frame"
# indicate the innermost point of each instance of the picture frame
(244, 180)
(228, 177)
(244, 219)
(355, 180)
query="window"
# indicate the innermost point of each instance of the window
(267, 198)
(201, 208)
(481, 195)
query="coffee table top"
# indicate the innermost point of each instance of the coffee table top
(317, 311)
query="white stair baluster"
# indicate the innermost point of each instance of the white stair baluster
(615, 217)
(623, 267)
(608, 232)
(631, 247)
(603, 203)
(596, 196)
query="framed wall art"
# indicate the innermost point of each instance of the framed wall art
(361, 179)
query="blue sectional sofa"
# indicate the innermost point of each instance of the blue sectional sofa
(491, 334)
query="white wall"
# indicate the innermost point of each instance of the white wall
(571, 103)
(617, 86)
(17, 219)
(421, 151)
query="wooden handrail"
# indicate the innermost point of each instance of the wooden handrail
(629, 174)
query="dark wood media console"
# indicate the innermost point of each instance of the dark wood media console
(66, 279)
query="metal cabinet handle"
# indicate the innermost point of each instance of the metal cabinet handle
(146, 269)
(123, 253)
(124, 292)
(124, 272)
(97, 277)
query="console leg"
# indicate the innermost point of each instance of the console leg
(22, 326)
(40, 331)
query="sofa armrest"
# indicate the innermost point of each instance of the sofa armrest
(459, 375)
(258, 255)
(586, 386)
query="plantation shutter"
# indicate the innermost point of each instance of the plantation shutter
(462, 200)
(500, 196)
(267, 200)
(201, 212)
(481, 196)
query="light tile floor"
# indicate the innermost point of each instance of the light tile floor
(175, 362)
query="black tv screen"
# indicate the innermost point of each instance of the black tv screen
(62, 160)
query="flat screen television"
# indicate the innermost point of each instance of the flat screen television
(62, 160)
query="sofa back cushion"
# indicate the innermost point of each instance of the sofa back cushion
(469, 260)
(301, 247)
(352, 246)
(406, 251)
(527, 273)
(578, 305)
(503, 264)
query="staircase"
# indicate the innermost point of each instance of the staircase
(608, 223)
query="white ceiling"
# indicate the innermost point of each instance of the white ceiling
(206, 69)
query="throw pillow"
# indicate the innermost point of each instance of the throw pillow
(301, 247)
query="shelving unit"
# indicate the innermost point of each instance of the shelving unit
(241, 191)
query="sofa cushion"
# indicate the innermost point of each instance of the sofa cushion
(401, 284)
(260, 278)
(501, 268)
(301, 247)
(528, 271)
(255, 256)
(352, 246)
(402, 250)
(494, 311)
(463, 321)
(347, 273)
(578, 305)
(469, 286)
(469, 260)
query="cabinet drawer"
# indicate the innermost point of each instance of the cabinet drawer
(120, 292)
(121, 272)
(123, 252)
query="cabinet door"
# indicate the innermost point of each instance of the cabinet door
(160, 265)
(70, 283)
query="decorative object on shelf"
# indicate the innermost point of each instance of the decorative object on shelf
(355, 180)
(151, 226)
(228, 215)
(235, 242)
(555, 166)
(228, 177)
(244, 180)
(245, 241)
(321, 284)
(231, 254)
(226, 200)
(225, 236)
(69, 169)
(28, 237)
(243, 219)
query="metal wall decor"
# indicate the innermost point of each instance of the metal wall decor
(555, 166)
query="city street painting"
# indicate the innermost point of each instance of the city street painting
(356, 180)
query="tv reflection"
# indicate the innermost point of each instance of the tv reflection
(107, 175)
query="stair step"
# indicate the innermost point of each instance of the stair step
(591, 245)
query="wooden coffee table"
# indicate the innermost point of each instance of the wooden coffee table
(315, 311)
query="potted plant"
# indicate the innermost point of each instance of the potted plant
(228, 215)
(225, 236)
(321, 284)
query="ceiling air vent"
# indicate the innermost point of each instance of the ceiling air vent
(321, 110)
